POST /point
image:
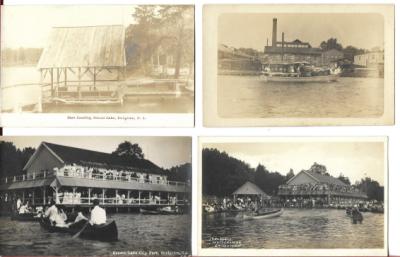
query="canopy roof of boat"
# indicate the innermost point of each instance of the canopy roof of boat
(287, 64)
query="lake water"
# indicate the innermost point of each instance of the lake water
(19, 88)
(136, 232)
(249, 97)
(296, 228)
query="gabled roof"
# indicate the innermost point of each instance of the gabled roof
(91, 46)
(320, 178)
(249, 188)
(71, 155)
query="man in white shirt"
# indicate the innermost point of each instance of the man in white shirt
(19, 203)
(52, 212)
(98, 214)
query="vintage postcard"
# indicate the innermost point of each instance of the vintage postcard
(293, 196)
(81, 196)
(298, 65)
(133, 63)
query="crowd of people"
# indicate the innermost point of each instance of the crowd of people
(84, 171)
(320, 187)
(236, 204)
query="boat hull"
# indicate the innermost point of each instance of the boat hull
(267, 215)
(24, 217)
(312, 79)
(107, 232)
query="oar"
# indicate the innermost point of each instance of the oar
(80, 231)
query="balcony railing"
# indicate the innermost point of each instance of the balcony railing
(86, 175)
(109, 201)
(320, 192)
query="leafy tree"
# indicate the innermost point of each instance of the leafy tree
(127, 149)
(351, 51)
(318, 168)
(344, 179)
(373, 189)
(289, 175)
(181, 172)
(13, 160)
(169, 26)
(331, 43)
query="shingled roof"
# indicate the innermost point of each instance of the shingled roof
(91, 46)
(249, 188)
(78, 155)
(321, 178)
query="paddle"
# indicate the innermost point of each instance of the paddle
(80, 231)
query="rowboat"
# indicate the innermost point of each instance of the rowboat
(107, 232)
(24, 217)
(169, 210)
(149, 211)
(263, 215)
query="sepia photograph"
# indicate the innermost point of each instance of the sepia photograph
(299, 67)
(293, 196)
(91, 196)
(97, 59)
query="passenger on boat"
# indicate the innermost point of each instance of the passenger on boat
(24, 208)
(19, 203)
(52, 212)
(98, 214)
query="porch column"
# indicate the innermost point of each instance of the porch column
(23, 196)
(103, 194)
(74, 198)
(44, 195)
(116, 199)
(150, 196)
(33, 197)
(89, 192)
(159, 195)
(128, 196)
(140, 193)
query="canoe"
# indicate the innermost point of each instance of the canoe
(24, 217)
(107, 232)
(149, 211)
(311, 79)
(264, 215)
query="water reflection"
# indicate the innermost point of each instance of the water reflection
(297, 228)
(249, 97)
(136, 233)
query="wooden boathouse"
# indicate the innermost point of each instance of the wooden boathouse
(75, 177)
(309, 188)
(83, 65)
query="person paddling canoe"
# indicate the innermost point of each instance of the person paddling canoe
(98, 214)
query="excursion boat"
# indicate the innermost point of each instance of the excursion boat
(24, 217)
(298, 72)
(106, 233)
(263, 215)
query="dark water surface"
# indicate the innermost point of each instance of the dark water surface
(296, 228)
(249, 97)
(136, 233)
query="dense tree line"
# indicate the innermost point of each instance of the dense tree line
(223, 174)
(20, 56)
(12, 159)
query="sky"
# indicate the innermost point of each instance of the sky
(354, 159)
(163, 151)
(29, 26)
(361, 30)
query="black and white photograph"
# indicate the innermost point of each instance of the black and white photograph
(97, 59)
(263, 196)
(95, 196)
(297, 65)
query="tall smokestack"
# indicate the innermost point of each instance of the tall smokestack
(274, 31)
